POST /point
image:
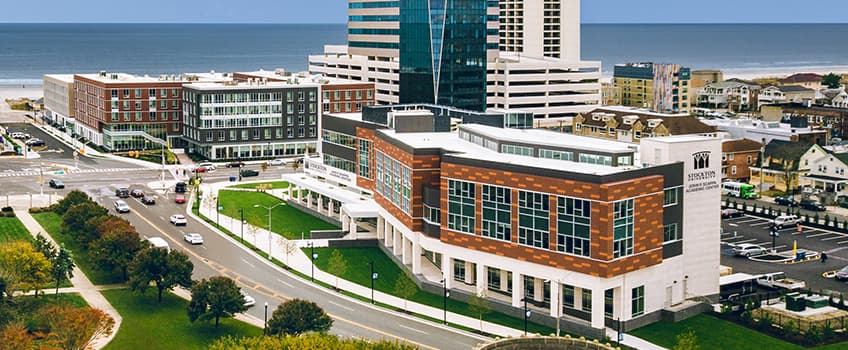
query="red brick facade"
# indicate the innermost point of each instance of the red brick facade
(94, 103)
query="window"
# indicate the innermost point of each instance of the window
(497, 211)
(595, 159)
(153, 116)
(432, 215)
(340, 139)
(637, 135)
(622, 228)
(670, 233)
(533, 219)
(461, 196)
(364, 158)
(512, 149)
(573, 226)
(394, 182)
(750, 160)
(126, 93)
(151, 93)
(625, 160)
(637, 301)
(138, 116)
(730, 156)
(670, 197)
(568, 296)
(551, 154)
(494, 278)
(609, 294)
(586, 299)
(114, 93)
(459, 270)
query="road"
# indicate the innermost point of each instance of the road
(769, 202)
(219, 256)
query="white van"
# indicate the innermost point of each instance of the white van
(158, 242)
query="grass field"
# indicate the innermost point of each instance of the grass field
(715, 333)
(358, 271)
(286, 220)
(149, 325)
(11, 229)
(275, 185)
(53, 224)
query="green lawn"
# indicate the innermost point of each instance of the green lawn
(11, 229)
(715, 333)
(52, 222)
(358, 271)
(275, 185)
(149, 325)
(286, 220)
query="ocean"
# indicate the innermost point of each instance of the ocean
(28, 51)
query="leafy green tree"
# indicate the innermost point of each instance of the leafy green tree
(405, 289)
(22, 267)
(832, 80)
(687, 340)
(312, 341)
(298, 316)
(43, 245)
(165, 270)
(479, 306)
(74, 220)
(72, 198)
(115, 250)
(337, 265)
(215, 298)
(62, 266)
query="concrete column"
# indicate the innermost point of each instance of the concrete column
(293, 191)
(405, 252)
(578, 298)
(309, 201)
(555, 299)
(352, 226)
(598, 308)
(381, 223)
(319, 207)
(389, 235)
(617, 307)
(517, 289)
(482, 279)
(397, 246)
(331, 207)
(447, 270)
(469, 272)
(416, 258)
(504, 283)
(344, 221)
(538, 289)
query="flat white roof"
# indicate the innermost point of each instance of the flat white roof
(315, 78)
(551, 138)
(67, 78)
(112, 77)
(736, 277)
(680, 138)
(352, 116)
(245, 85)
(774, 128)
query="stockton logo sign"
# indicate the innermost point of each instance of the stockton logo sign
(701, 177)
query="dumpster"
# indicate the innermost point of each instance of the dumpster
(796, 302)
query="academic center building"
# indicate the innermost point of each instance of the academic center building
(589, 230)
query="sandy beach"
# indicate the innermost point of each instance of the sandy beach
(32, 92)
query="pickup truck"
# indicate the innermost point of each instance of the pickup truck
(779, 280)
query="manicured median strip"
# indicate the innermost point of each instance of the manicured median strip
(11, 229)
(286, 220)
(272, 185)
(150, 325)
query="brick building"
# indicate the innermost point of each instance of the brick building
(519, 214)
(737, 156)
(338, 95)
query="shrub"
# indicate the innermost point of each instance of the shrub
(813, 335)
(7, 210)
(789, 329)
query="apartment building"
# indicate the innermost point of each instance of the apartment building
(630, 124)
(251, 119)
(59, 98)
(735, 96)
(660, 87)
(338, 95)
(775, 95)
(834, 119)
(514, 215)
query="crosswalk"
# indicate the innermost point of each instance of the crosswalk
(76, 171)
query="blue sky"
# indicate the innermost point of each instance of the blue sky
(334, 11)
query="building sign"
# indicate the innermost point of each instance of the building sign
(316, 168)
(702, 177)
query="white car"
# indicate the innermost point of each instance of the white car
(193, 238)
(208, 166)
(785, 221)
(280, 162)
(178, 220)
(248, 300)
(748, 250)
(121, 207)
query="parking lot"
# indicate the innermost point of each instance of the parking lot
(755, 230)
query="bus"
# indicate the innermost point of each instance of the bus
(738, 189)
(736, 286)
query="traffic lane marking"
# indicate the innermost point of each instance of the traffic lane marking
(832, 238)
(341, 306)
(820, 234)
(414, 330)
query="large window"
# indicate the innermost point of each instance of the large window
(364, 158)
(573, 226)
(497, 211)
(552, 154)
(622, 228)
(340, 139)
(568, 296)
(339, 163)
(394, 181)
(637, 301)
(533, 219)
(670, 197)
(586, 299)
(519, 150)
(595, 159)
(461, 206)
(670, 233)
(432, 215)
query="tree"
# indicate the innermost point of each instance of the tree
(44, 246)
(115, 250)
(289, 247)
(298, 316)
(312, 341)
(22, 267)
(72, 198)
(687, 340)
(113, 224)
(215, 298)
(337, 265)
(62, 266)
(405, 288)
(74, 220)
(832, 80)
(15, 336)
(156, 265)
(478, 305)
(73, 328)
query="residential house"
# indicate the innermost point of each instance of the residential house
(732, 95)
(737, 156)
(826, 176)
(766, 131)
(834, 119)
(782, 167)
(833, 97)
(785, 94)
(633, 124)
(807, 80)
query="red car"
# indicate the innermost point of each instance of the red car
(199, 170)
(180, 199)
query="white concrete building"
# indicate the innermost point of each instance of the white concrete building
(59, 98)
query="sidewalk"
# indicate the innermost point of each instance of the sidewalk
(81, 283)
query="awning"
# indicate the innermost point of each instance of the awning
(354, 204)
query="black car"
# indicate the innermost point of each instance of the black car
(54, 183)
(35, 143)
(122, 192)
(787, 201)
(235, 164)
(180, 187)
(811, 205)
(137, 193)
(249, 173)
(148, 200)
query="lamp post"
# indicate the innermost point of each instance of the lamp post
(269, 224)
(526, 314)
(41, 178)
(445, 296)
(241, 212)
(265, 325)
(374, 276)
(311, 246)
(559, 302)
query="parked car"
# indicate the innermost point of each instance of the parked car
(35, 142)
(778, 280)
(137, 193)
(248, 300)
(206, 166)
(235, 164)
(178, 220)
(122, 192)
(180, 199)
(786, 221)
(748, 250)
(787, 201)
(193, 238)
(812, 205)
(249, 173)
(19, 135)
(121, 206)
(149, 200)
(198, 169)
(56, 183)
(180, 187)
(842, 274)
(730, 213)
(278, 161)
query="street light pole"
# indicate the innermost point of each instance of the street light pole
(526, 314)
(311, 246)
(269, 224)
(371, 264)
(445, 295)
(241, 212)
(265, 325)
(41, 178)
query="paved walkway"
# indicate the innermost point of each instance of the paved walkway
(82, 284)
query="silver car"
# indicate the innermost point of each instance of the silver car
(748, 250)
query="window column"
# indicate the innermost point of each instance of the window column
(482, 278)
(556, 308)
(416, 257)
(598, 308)
(389, 235)
(381, 223)
(406, 252)
(517, 288)
(397, 245)
(447, 270)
